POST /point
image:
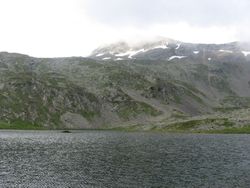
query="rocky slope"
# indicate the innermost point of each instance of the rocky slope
(149, 83)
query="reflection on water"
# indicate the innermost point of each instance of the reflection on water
(116, 159)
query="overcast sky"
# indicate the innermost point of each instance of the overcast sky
(53, 28)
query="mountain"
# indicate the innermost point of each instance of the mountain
(149, 85)
(168, 49)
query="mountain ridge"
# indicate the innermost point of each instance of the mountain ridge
(163, 83)
(169, 47)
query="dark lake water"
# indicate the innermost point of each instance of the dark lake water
(117, 159)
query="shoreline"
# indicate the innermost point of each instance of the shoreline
(243, 130)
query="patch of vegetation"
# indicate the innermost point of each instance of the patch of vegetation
(192, 125)
(237, 102)
(200, 73)
(123, 76)
(186, 125)
(130, 128)
(89, 64)
(233, 130)
(221, 84)
(126, 107)
(89, 115)
(179, 116)
(190, 87)
(228, 130)
(226, 109)
(174, 91)
(132, 109)
(20, 125)
(227, 123)
(55, 120)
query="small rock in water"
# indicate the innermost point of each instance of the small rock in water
(66, 131)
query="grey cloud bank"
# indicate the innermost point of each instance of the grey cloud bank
(45, 28)
(148, 12)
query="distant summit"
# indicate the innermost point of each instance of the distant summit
(166, 49)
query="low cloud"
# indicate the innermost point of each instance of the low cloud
(150, 12)
(46, 28)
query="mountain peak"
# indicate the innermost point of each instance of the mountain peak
(124, 49)
(166, 49)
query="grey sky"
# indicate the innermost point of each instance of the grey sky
(49, 28)
(148, 12)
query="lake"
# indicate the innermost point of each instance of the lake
(120, 159)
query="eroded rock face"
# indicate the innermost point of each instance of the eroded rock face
(74, 121)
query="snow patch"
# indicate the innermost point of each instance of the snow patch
(123, 54)
(246, 53)
(227, 51)
(196, 52)
(209, 59)
(98, 55)
(178, 46)
(161, 46)
(136, 52)
(176, 57)
(118, 59)
(130, 53)
(106, 58)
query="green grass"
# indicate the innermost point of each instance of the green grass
(186, 125)
(226, 109)
(181, 128)
(237, 102)
(234, 130)
(179, 115)
(133, 109)
(132, 128)
(193, 125)
(228, 130)
(89, 115)
(20, 125)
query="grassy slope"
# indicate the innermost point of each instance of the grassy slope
(240, 130)
(237, 121)
(232, 130)
(20, 125)
(180, 127)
